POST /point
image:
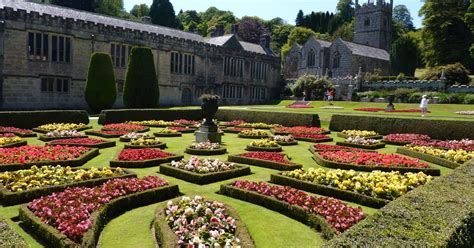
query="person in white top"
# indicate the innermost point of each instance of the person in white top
(424, 105)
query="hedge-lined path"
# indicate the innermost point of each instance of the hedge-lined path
(268, 228)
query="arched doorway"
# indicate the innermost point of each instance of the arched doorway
(186, 97)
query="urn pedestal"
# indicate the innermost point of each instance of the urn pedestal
(209, 130)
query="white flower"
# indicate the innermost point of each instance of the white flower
(188, 212)
(196, 240)
(198, 198)
(214, 233)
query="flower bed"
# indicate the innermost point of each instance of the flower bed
(236, 129)
(284, 140)
(253, 134)
(272, 160)
(314, 138)
(141, 158)
(9, 237)
(206, 224)
(125, 127)
(61, 127)
(359, 133)
(401, 139)
(154, 123)
(76, 216)
(357, 142)
(7, 141)
(146, 143)
(203, 171)
(299, 106)
(17, 131)
(24, 157)
(465, 112)
(106, 134)
(167, 133)
(129, 136)
(264, 145)
(86, 142)
(300, 129)
(26, 185)
(66, 134)
(258, 125)
(232, 123)
(374, 189)
(370, 161)
(185, 122)
(182, 129)
(389, 111)
(447, 158)
(465, 144)
(331, 148)
(206, 148)
(329, 215)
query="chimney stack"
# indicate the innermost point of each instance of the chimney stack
(219, 31)
(235, 29)
(265, 41)
(146, 19)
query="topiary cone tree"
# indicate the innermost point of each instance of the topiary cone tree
(101, 89)
(141, 88)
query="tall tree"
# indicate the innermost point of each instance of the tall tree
(251, 29)
(110, 7)
(101, 89)
(280, 36)
(298, 35)
(345, 9)
(300, 19)
(87, 5)
(403, 56)
(447, 37)
(162, 13)
(402, 15)
(140, 10)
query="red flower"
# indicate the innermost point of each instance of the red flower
(84, 141)
(405, 137)
(372, 159)
(187, 122)
(31, 154)
(270, 156)
(124, 127)
(310, 136)
(466, 144)
(14, 130)
(143, 154)
(299, 106)
(327, 147)
(300, 130)
(180, 129)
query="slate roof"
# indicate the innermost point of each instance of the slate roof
(219, 41)
(367, 51)
(324, 43)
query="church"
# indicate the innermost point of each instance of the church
(367, 52)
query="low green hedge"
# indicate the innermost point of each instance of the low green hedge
(105, 144)
(202, 179)
(123, 115)
(144, 130)
(99, 218)
(263, 149)
(345, 136)
(40, 130)
(314, 140)
(282, 118)
(436, 129)
(252, 136)
(368, 147)
(295, 212)
(21, 134)
(71, 163)
(335, 165)
(167, 239)
(329, 191)
(144, 163)
(47, 139)
(439, 214)
(9, 198)
(293, 143)
(230, 130)
(16, 144)
(428, 158)
(169, 135)
(201, 152)
(396, 143)
(264, 163)
(31, 119)
(9, 237)
(103, 135)
(161, 145)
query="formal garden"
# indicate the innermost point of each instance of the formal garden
(141, 178)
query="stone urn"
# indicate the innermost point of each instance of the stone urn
(390, 105)
(209, 108)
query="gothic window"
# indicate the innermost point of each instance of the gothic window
(181, 63)
(258, 70)
(232, 91)
(367, 22)
(336, 60)
(321, 55)
(120, 54)
(385, 23)
(258, 93)
(311, 58)
(233, 67)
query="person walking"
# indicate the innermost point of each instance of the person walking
(424, 105)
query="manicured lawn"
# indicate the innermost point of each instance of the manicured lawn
(268, 228)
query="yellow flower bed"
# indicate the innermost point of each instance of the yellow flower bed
(145, 142)
(254, 133)
(62, 126)
(153, 123)
(359, 133)
(259, 125)
(458, 156)
(264, 143)
(9, 140)
(385, 185)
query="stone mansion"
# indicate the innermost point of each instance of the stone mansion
(367, 52)
(45, 52)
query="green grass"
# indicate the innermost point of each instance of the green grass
(268, 228)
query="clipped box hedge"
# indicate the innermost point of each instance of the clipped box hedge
(264, 163)
(329, 191)
(144, 163)
(335, 165)
(282, 118)
(9, 198)
(99, 218)
(439, 214)
(105, 144)
(264, 149)
(123, 115)
(436, 129)
(9, 237)
(202, 179)
(160, 145)
(292, 143)
(103, 135)
(166, 238)
(31, 119)
(252, 136)
(47, 139)
(367, 147)
(15, 144)
(428, 158)
(93, 152)
(168, 135)
(40, 130)
(201, 152)
(295, 212)
(314, 140)
(345, 136)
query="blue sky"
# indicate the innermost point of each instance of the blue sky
(268, 9)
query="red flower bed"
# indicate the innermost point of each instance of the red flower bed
(180, 129)
(233, 123)
(69, 211)
(327, 147)
(15, 130)
(239, 129)
(299, 106)
(112, 132)
(7, 135)
(338, 215)
(124, 127)
(143, 154)
(372, 159)
(85, 141)
(406, 137)
(370, 109)
(300, 129)
(310, 136)
(270, 156)
(466, 144)
(30, 154)
(187, 122)
(389, 111)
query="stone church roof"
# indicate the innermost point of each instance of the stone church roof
(367, 51)
(256, 48)
(324, 43)
(220, 40)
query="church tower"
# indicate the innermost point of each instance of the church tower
(373, 23)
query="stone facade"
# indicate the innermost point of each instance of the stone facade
(45, 52)
(373, 24)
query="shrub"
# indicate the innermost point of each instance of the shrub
(310, 85)
(404, 93)
(373, 76)
(455, 73)
(101, 90)
(469, 99)
(141, 88)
